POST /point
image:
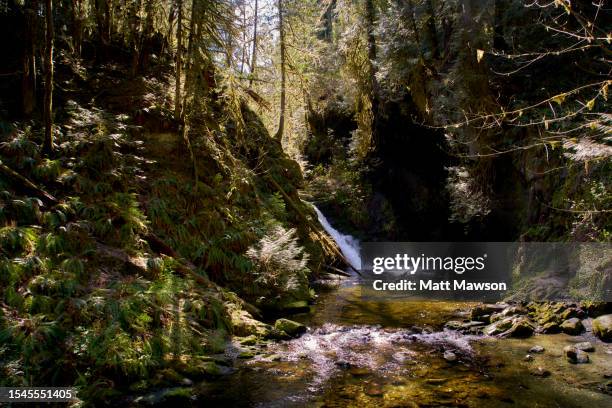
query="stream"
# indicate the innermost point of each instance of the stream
(360, 353)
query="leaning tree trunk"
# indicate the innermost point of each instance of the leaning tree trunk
(28, 79)
(281, 28)
(179, 51)
(48, 112)
(254, 56)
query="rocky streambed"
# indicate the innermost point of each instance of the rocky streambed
(359, 352)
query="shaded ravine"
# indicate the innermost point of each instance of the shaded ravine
(361, 352)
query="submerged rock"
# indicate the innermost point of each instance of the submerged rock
(536, 349)
(528, 357)
(572, 326)
(290, 327)
(602, 327)
(540, 372)
(374, 390)
(575, 356)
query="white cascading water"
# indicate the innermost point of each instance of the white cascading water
(349, 246)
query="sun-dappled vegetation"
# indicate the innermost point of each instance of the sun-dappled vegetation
(158, 159)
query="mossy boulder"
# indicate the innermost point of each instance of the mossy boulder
(521, 328)
(290, 327)
(602, 327)
(572, 326)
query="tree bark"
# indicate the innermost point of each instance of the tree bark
(431, 29)
(179, 50)
(28, 79)
(48, 103)
(374, 101)
(283, 95)
(254, 53)
(77, 26)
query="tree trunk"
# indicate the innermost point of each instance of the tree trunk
(77, 26)
(415, 29)
(370, 26)
(134, 23)
(145, 39)
(281, 28)
(179, 50)
(28, 79)
(244, 38)
(254, 53)
(48, 112)
(431, 29)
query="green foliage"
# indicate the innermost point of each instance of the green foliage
(280, 264)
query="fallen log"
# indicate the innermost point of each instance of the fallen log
(331, 246)
(27, 184)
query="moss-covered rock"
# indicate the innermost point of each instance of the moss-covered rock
(572, 326)
(290, 327)
(602, 327)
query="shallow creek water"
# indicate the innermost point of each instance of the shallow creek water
(360, 352)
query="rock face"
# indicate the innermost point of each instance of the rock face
(290, 327)
(572, 326)
(602, 327)
(575, 356)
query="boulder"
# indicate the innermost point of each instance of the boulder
(602, 327)
(521, 327)
(575, 356)
(498, 327)
(290, 327)
(551, 328)
(572, 326)
(572, 312)
(585, 346)
(480, 311)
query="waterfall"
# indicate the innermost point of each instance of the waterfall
(349, 246)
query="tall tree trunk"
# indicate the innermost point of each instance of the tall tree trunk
(77, 26)
(411, 16)
(134, 24)
(145, 38)
(179, 51)
(244, 37)
(102, 13)
(431, 29)
(48, 112)
(370, 14)
(28, 79)
(254, 53)
(281, 28)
